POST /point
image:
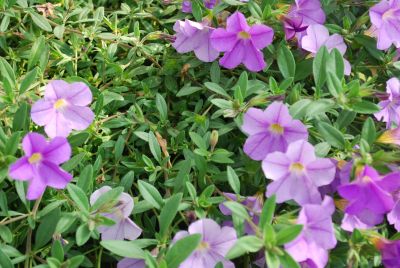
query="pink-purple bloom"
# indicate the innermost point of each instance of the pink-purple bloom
(385, 17)
(390, 108)
(242, 43)
(318, 36)
(40, 165)
(63, 108)
(297, 173)
(270, 130)
(390, 251)
(187, 5)
(194, 36)
(124, 227)
(342, 176)
(214, 245)
(311, 247)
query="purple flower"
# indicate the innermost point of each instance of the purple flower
(187, 6)
(342, 176)
(131, 263)
(242, 43)
(270, 130)
(294, 26)
(40, 165)
(252, 203)
(318, 36)
(194, 36)
(63, 108)
(363, 220)
(385, 17)
(317, 237)
(390, 108)
(394, 216)
(124, 227)
(297, 174)
(390, 251)
(214, 245)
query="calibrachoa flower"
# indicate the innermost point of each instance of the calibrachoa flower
(302, 14)
(214, 245)
(124, 227)
(390, 251)
(385, 17)
(317, 237)
(187, 5)
(242, 43)
(297, 174)
(254, 205)
(390, 137)
(342, 176)
(63, 108)
(40, 165)
(194, 36)
(390, 108)
(318, 36)
(131, 263)
(270, 130)
(362, 220)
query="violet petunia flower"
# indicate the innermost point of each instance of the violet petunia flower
(362, 220)
(317, 237)
(270, 130)
(242, 43)
(40, 165)
(390, 108)
(390, 251)
(194, 36)
(318, 36)
(297, 173)
(63, 108)
(124, 227)
(342, 176)
(131, 263)
(252, 203)
(385, 17)
(214, 245)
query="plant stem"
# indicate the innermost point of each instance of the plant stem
(29, 237)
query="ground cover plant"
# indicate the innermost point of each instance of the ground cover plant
(215, 133)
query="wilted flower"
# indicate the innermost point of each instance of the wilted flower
(40, 165)
(214, 245)
(390, 108)
(318, 36)
(317, 237)
(124, 227)
(242, 43)
(270, 130)
(390, 137)
(63, 108)
(194, 36)
(385, 17)
(297, 174)
(131, 263)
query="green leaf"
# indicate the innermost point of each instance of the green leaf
(127, 249)
(196, 11)
(233, 180)
(5, 261)
(286, 62)
(108, 199)
(181, 250)
(85, 181)
(245, 245)
(331, 135)
(217, 89)
(169, 212)
(57, 250)
(237, 209)
(287, 261)
(7, 72)
(319, 67)
(37, 50)
(335, 64)
(161, 107)
(29, 78)
(288, 234)
(334, 84)
(268, 211)
(368, 132)
(78, 196)
(82, 234)
(271, 259)
(41, 22)
(198, 140)
(365, 107)
(150, 194)
(154, 147)
(21, 117)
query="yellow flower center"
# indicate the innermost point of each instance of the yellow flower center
(35, 158)
(276, 128)
(203, 246)
(59, 104)
(366, 179)
(244, 35)
(296, 167)
(388, 14)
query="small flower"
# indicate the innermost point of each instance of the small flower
(63, 108)
(390, 251)
(293, 26)
(194, 36)
(40, 165)
(390, 137)
(297, 174)
(318, 36)
(131, 263)
(317, 237)
(390, 108)
(242, 43)
(214, 245)
(385, 17)
(124, 227)
(187, 6)
(270, 130)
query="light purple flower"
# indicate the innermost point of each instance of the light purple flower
(342, 176)
(385, 17)
(124, 227)
(297, 174)
(40, 165)
(390, 108)
(270, 130)
(242, 43)
(390, 251)
(318, 36)
(194, 36)
(214, 245)
(362, 220)
(187, 5)
(63, 108)
(131, 263)
(252, 203)
(317, 237)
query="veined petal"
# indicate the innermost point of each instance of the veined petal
(222, 41)
(78, 117)
(33, 143)
(21, 170)
(261, 35)
(55, 89)
(254, 121)
(36, 188)
(53, 175)
(58, 150)
(131, 230)
(276, 166)
(233, 58)
(237, 23)
(58, 126)
(42, 112)
(79, 94)
(321, 171)
(254, 59)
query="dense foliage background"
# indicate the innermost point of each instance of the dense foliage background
(167, 126)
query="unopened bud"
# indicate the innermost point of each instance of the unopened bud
(213, 139)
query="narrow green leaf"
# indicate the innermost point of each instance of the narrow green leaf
(286, 62)
(233, 180)
(331, 135)
(181, 250)
(41, 22)
(168, 213)
(78, 196)
(150, 194)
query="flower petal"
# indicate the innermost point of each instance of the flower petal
(261, 35)
(321, 171)
(254, 121)
(254, 59)
(55, 90)
(58, 151)
(131, 230)
(21, 170)
(42, 112)
(58, 126)
(233, 58)
(36, 188)
(78, 94)
(53, 175)
(222, 41)
(33, 143)
(78, 117)
(237, 23)
(276, 165)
